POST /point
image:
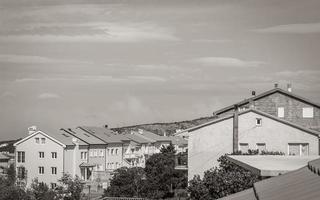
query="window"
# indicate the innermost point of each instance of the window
(261, 147)
(21, 172)
(281, 112)
(307, 112)
(95, 153)
(41, 154)
(43, 140)
(53, 185)
(112, 152)
(53, 170)
(108, 151)
(258, 121)
(244, 147)
(298, 149)
(84, 155)
(101, 153)
(116, 151)
(41, 170)
(37, 140)
(54, 154)
(21, 156)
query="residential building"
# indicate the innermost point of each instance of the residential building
(249, 129)
(300, 184)
(46, 156)
(95, 158)
(280, 103)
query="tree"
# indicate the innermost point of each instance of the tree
(70, 188)
(41, 191)
(221, 181)
(127, 182)
(197, 189)
(162, 178)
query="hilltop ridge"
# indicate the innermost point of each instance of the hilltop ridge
(169, 128)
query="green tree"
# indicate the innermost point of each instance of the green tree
(70, 188)
(162, 178)
(221, 181)
(127, 182)
(41, 191)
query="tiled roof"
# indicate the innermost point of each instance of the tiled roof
(104, 134)
(300, 184)
(313, 132)
(264, 94)
(176, 140)
(66, 138)
(83, 136)
(243, 195)
(139, 139)
(98, 130)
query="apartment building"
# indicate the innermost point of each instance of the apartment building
(92, 153)
(248, 129)
(46, 156)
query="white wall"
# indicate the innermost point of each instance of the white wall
(32, 160)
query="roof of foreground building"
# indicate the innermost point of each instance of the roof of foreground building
(303, 183)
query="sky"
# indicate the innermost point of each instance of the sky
(125, 62)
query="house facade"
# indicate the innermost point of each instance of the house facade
(39, 156)
(249, 129)
(280, 103)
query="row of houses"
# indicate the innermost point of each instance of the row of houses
(275, 120)
(91, 153)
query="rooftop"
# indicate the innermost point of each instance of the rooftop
(299, 184)
(270, 165)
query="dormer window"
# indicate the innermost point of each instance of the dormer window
(258, 122)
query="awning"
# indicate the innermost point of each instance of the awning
(87, 165)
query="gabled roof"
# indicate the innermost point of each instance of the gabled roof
(105, 136)
(98, 130)
(139, 139)
(84, 136)
(176, 140)
(299, 185)
(43, 133)
(149, 135)
(313, 132)
(264, 94)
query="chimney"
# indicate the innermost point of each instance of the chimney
(32, 129)
(165, 134)
(276, 85)
(289, 87)
(235, 129)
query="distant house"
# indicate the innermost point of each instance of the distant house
(249, 129)
(300, 184)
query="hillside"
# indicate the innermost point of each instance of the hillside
(168, 128)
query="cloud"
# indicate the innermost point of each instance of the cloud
(23, 59)
(292, 28)
(226, 62)
(90, 32)
(212, 41)
(96, 78)
(49, 96)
